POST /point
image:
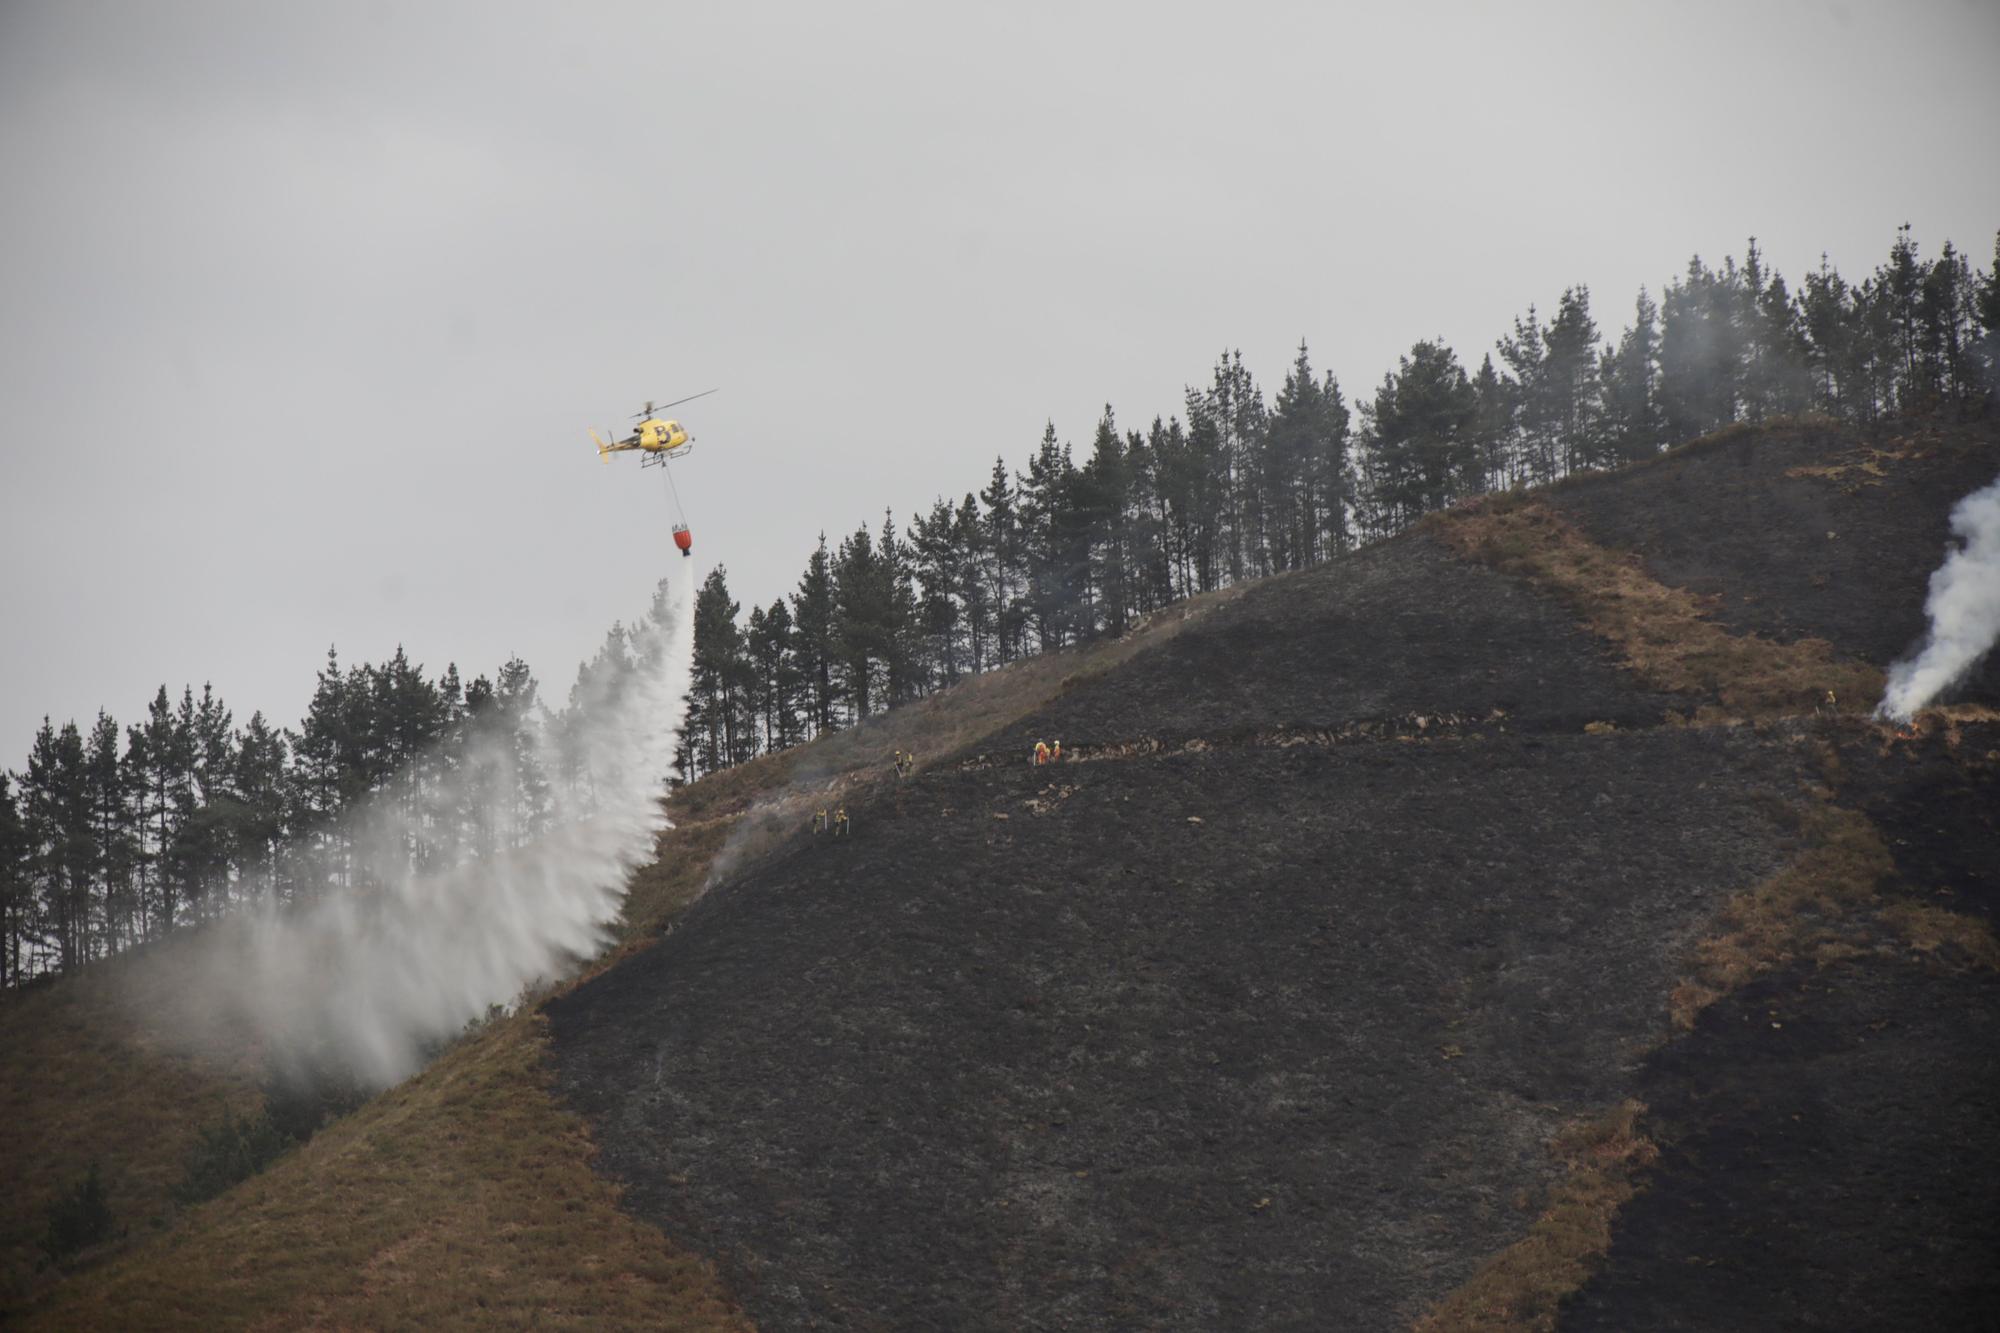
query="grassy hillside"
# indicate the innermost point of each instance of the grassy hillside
(93, 1077)
(348, 1231)
(1499, 927)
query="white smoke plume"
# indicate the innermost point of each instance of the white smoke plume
(1964, 607)
(392, 955)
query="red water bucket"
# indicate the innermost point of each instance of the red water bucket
(683, 539)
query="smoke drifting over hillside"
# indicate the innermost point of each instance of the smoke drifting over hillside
(393, 956)
(1964, 607)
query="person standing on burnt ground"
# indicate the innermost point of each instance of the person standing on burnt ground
(841, 827)
(819, 821)
(1055, 753)
(1041, 753)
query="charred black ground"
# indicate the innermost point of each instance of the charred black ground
(1830, 1161)
(1802, 531)
(1273, 1029)
(1401, 630)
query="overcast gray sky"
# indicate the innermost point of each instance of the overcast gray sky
(305, 309)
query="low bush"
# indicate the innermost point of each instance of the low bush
(225, 1154)
(79, 1219)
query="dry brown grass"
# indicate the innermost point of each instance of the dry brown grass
(1944, 934)
(1522, 1286)
(92, 1076)
(471, 1171)
(1808, 909)
(462, 1198)
(1820, 907)
(1662, 633)
(1866, 466)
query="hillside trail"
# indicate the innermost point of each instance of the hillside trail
(1408, 727)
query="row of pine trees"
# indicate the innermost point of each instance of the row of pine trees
(1240, 485)
(114, 836)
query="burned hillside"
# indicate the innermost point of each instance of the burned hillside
(1274, 1005)
(1804, 530)
(1396, 631)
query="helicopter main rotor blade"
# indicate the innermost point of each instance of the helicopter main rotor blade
(690, 398)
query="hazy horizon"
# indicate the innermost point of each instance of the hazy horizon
(308, 312)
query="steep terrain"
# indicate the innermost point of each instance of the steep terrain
(1493, 928)
(1265, 1009)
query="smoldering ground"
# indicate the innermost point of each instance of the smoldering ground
(436, 899)
(1963, 606)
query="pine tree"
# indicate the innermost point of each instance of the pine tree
(1700, 351)
(1005, 567)
(970, 583)
(259, 782)
(1829, 327)
(1226, 423)
(1569, 379)
(1629, 377)
(777, 693)
(936, 563)
(1986, 306)
(318, 785)
(1899, 285)
(164, 752)
(906, 671)
(16, 887)
(1493, 427)
(1422, 448)
(1048, 540)
(1526, 360)
(1104, 493)
(483, 770)
(1948, 316)
(1183, 473)
(517, 703)
(57, 817)
(1329, 467)
(205, 847)
(1150, 558)
(1290, 476)
(813, 617)
(114, 835)
(860, 623)
(714, 711)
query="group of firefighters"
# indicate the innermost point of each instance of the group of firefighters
(836, 824)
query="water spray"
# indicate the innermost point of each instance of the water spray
(384, 960)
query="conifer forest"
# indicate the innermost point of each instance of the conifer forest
(113, 834)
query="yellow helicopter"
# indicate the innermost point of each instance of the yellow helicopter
(657, 438)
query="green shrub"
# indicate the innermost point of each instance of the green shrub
(300, 1097)
(232, 1151)
(79, 1219)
